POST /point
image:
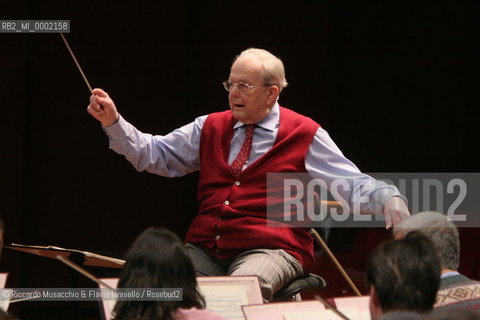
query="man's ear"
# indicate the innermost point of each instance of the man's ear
(273, 92)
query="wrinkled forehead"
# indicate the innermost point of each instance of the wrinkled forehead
(246, 69)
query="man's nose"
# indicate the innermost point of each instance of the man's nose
(234, 91)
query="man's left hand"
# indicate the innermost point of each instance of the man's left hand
(395, 211)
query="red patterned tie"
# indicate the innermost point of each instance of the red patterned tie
(242, 157)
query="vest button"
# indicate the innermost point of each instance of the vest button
(217, 237)
(227, 202)
(237, 183)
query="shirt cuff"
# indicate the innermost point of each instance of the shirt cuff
(387, 193)
(118, 130)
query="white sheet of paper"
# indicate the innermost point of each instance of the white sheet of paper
(5, 301)
(109, 305)
(3, 279)
(276, 310)
(5, 293)
(350, 313)
(225, 300)
(360, 303)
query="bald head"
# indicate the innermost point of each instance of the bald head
(271, 67)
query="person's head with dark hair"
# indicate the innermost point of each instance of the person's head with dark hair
(157, 259)
(456, 290)
(403, 275)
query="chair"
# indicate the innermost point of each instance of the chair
(291, 291)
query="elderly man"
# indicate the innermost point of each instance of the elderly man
(456, 290)
(403, 276)
(234, 150)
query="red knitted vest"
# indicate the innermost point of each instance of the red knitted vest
(232, 211)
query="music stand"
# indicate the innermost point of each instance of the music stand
(80, 257)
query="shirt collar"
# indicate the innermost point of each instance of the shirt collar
(269, 122)
(449, 274)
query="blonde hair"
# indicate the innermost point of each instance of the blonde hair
(273, 71)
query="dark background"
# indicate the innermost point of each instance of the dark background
(392, 82)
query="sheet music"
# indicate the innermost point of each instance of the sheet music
(3, 279)
(5, 294)
(361, 304)
(222, 298)
(109, 305)
(276, 310)
(350, 313)
(225, 300)
(5, 300)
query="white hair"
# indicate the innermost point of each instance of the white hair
(443, 233)
(273, 71)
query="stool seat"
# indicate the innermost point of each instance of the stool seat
(310, 281)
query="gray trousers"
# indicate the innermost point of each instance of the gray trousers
(274, 268)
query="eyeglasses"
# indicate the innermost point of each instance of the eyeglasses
(242, 86)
